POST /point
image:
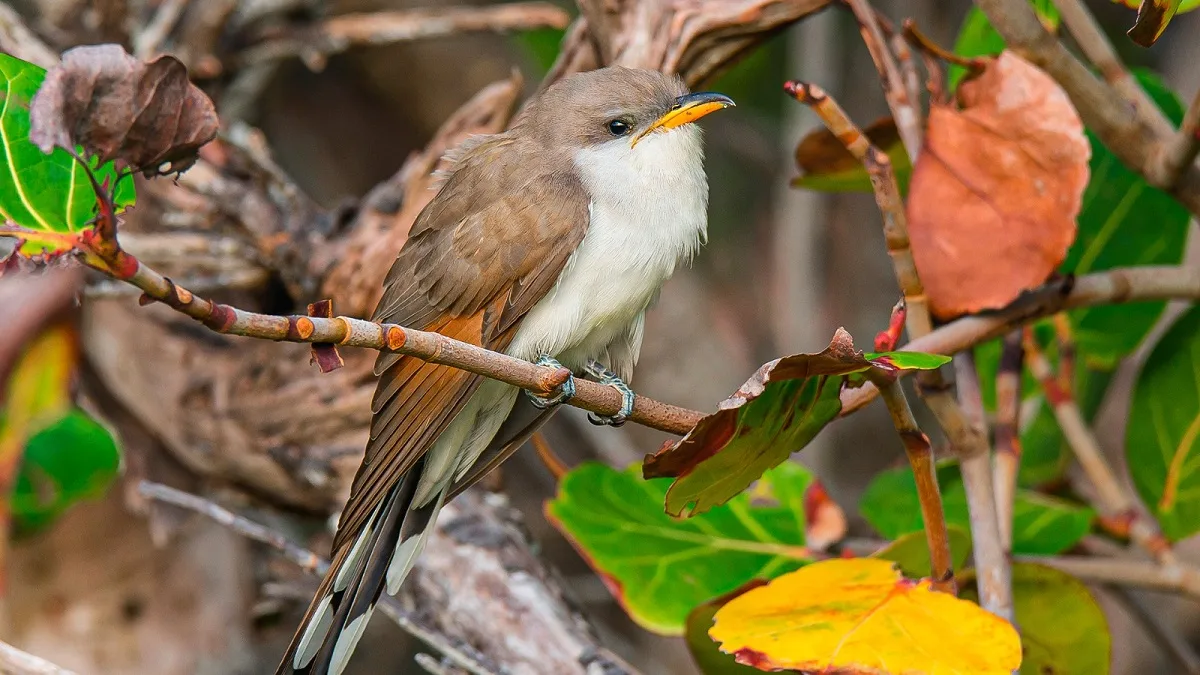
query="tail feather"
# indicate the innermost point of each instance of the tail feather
(345, 600)
(358, 601)
(414, 534)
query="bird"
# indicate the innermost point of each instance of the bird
(547, 242)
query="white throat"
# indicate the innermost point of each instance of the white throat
(649, 212)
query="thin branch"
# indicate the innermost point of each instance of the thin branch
(310, 562)
(300, 556)
(1126, 572)
(887, 196)
(340, 33)
(351, 332)
(1095, 45)
(967, 440)
(1158, 628)
(1066, 352)
(1112, 498)
(1122, 285)
(925, 44)
(16, 39)
(1008, 433)
(920, 456)
(905, 110)
(148, 40)
(1180, 152)
(912, 83)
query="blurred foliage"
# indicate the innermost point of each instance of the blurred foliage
(49, 193)
(1042, 525)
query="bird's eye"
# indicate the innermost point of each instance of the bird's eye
(618, 127)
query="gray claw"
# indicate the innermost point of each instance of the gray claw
(607, 377)
(564, 393)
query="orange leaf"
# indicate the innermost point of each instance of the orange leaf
(861, 616)
(996, 189)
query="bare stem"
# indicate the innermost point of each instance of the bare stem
(1008, 433)
(920, 456)
(300, 556)
(1128, 284)
(1112, 499)
(1159, 628)
(351, 332)
(1126, 572)
(1093, 43)
(905, 110)
(1180, 153)
(311, 563)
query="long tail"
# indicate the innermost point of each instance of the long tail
(381, 556)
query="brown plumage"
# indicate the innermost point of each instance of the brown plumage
(490, 249)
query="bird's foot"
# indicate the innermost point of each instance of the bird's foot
(603, 375)
(564, 393)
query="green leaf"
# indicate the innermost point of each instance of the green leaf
(1162, 441)
(775, 413)
(705, 651)
(1063, 629)
(46, 193)
(659, 567)
(1124, 222)
(1041, 525)
(71, 460)
(907, 360)
(911, 551)
(976, 37)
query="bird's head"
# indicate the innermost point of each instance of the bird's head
(618, 106)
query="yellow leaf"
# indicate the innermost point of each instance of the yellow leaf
(862, 616)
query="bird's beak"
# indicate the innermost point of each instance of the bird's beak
(687, 109)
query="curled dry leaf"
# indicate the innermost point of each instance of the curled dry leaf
(861, 616)
(775, 413)
(995, 192)
(824, 520)
(826, 165)
(1152, 19)
(147, 116)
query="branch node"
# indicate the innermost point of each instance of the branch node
(395, 337)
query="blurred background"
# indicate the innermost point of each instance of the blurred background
(118, 586)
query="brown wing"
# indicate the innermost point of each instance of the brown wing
(479, 257)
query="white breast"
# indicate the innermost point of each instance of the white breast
(649, 206)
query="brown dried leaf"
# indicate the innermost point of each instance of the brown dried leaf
(824, 521)
(995, 192)
(821, 152)
(148, 116)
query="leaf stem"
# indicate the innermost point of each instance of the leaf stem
(1008, 433)
(920, 456)
(968, 441)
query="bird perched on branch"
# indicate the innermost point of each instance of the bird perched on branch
(546, 242)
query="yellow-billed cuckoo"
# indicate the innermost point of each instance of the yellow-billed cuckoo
(546, 242)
